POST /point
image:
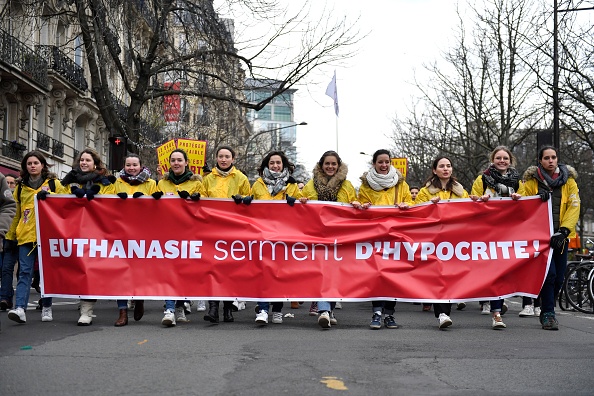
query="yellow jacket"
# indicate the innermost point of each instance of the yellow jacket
(429, 191)
(394, 195)
(570, 197)
(217, 186)
(346, 193)
(23, 228)
(260, 191)
(147, 188)
(192, 185)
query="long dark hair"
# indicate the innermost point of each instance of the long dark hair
(39, 155)
(286, 163)
(434, 181)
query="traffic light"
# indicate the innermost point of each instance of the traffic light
(118, 149)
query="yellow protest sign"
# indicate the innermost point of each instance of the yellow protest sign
(401, 164)
(196, 150)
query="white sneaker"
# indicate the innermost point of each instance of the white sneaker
(338, 305)
(486, 309)
(277, 317)
(262, 317)
(18, 315)
(333, 320)
(444, 321)
(324, 320)
(131, 305)
(180, 315)
(241, 305)
(201, 306)
(498, 322)
(168, 319)
(46, 314)
(527, 311)
(188, 307)
(536, 311)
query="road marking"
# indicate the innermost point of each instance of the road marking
(142, 342)
(334, 383)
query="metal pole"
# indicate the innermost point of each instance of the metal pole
(555, 77)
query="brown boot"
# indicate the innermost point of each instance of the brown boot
(123, 319)
(138, 310)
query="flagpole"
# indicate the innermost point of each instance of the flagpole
(337, 134)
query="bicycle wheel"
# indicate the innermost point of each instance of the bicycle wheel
(591, 284)
(576, 288)
(563, 303)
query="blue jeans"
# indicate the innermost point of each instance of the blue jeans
(496, 305)
(387, 307)
(9, 259)
(554, 280)
(326, 306)
(276, 306)
(27, 257)
(122, 304)
(170, 305)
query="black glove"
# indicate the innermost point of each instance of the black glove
(195, 197)
(10, 246)
(42, 195)
(559, 238)
(79, 192)
(137, 194)
(291, 200)
(95, 188)
(247, 199)
(501, 189)
(90, 194)
(183, 194)
(157, 194)
(122, 195)
(237, 198)
(112, 179)
(544, 194)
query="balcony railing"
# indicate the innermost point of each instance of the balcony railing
(57, 148)
(63, 65)
(13, 149)
(43, 141)
(17, 54)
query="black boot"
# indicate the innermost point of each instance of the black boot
(213, 312)
(227, 311)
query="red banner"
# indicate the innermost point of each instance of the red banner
(180, 249)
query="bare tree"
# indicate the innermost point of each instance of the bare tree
(484, 95)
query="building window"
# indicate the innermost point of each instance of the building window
(282, 113)
(264, 114)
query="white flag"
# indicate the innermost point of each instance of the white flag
(332, 92)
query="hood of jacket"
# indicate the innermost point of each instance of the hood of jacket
(336, 180)
(456, 189)
(532, 172)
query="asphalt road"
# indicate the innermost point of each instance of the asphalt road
(296, 357)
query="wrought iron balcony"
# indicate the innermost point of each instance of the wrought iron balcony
(13, 149)
(75, 153)
(57, 148)
(63, 65)
(43, 141)
(17, 54)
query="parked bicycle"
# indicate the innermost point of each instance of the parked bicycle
(577, 293)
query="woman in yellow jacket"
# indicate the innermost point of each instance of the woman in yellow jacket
(179, 181)
(500, 179)
(329, 184)
(383, 185)
(275, 183)
(554, 181)
(88, 177)
(442, 185)
(35, 180)
(225, 181)
(134, 180)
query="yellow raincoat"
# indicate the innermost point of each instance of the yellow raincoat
(217, 186)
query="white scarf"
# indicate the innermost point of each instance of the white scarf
(378, 181)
